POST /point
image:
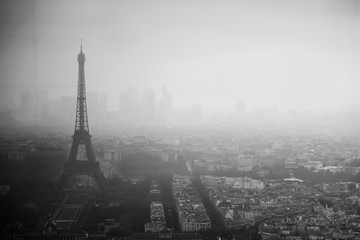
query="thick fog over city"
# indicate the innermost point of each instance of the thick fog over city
(157, 119)
(180, 62)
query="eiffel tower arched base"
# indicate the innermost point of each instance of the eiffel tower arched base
(77, 168)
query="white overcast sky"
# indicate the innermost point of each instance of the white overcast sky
(290, 54)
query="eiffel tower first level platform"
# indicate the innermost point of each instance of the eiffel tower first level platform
(82, 139)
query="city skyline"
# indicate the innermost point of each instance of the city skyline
(234, 119)
(301, 56)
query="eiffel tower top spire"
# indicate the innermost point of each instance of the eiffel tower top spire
(81, 55)
(81, 122)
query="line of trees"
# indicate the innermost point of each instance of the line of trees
(31, 181)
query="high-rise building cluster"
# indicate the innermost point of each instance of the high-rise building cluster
(34, 106)
(39, 106)
(145, 108)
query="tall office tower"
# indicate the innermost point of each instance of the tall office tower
(148, 105)
(103, 108)
(67, 110)
(82, 163)
(129, 104)
(165, 104)
(41, 106)
(8, 99)
(27, 106)
(93, 107)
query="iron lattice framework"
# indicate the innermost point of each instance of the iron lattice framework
(81, 122)
(82, 136)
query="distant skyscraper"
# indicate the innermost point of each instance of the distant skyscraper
(54, 114)
(93, 109)
(41, 107)
(129, 103)
(27, 107)
(27, 101)
(148, 105)
(97, 109)
(103, 108)
(9, 99)
(165, 104)
(67, 109)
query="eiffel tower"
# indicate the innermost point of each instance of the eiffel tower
(82, 138)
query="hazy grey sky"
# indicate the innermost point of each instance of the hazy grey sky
(291, 54)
